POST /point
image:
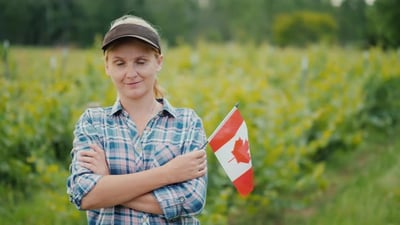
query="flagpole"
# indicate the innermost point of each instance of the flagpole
(204, 145)
(223, 121)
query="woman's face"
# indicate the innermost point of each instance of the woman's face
(133, 67)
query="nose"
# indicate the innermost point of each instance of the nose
(131, 71)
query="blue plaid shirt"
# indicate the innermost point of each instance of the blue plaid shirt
(172, 132)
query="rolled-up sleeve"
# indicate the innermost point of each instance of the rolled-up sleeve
(186, 198)
(81, 180)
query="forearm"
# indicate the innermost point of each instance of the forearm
(117, 189)
(90, 192)
(183, 199)
(145, 203)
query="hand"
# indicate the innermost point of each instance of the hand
(188, 166)
(94, 160)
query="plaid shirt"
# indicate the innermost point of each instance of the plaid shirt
(172, 132)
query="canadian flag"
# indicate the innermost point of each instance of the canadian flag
(231, 146)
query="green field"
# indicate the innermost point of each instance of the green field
(318, 120)
(364, 187)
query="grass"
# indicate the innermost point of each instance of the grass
(364, 187)
(43, 206)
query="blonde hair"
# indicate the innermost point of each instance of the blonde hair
(130, 19)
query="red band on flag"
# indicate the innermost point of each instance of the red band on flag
(230, 141)
(227, 131)
(244, 184)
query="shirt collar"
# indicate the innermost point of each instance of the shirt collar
(168, 109)
(117, 107)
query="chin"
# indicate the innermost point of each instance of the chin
(135, 95)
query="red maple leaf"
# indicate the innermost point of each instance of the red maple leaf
(241, 151)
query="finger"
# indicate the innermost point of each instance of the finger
(202, 171)
(201, 157)
(204, 155)
(95, 148)
(83, 153)
(80, 156)
(198, 154)
(85, 159)
(87, 166)
(88, 153)
(204, 165)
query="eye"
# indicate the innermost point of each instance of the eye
(141, 61)
(119, 62)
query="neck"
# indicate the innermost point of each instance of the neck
(140, 107)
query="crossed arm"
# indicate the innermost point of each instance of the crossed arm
(135, 190)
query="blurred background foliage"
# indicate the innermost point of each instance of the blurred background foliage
(76, 22)
(312, 78)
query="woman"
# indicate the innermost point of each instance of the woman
(138, 161)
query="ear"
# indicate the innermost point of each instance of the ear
(106, 67)
(160, 59)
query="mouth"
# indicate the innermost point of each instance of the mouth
(133, 83)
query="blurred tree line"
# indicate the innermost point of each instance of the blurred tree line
(78, 22)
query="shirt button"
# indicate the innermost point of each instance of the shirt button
(139, 148)
(145, 220)
(181, 199)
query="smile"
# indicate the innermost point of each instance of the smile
(133, 83)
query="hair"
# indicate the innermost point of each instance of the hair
(130, 19)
